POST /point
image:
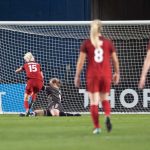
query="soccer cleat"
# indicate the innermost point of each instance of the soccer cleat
(96, 131)
(27, 113)
(32, 114)
(108, 124)
(22, 115)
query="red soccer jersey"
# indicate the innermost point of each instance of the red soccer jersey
(98, 60)
(33, 70)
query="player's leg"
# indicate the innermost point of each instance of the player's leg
(93, 93)
(26, 104)
(105, 103)
(33, 96)
(39, 112)
(28, 92)
(55, 112)
(77, 115)
(105, 85)
(36, 87)
(58, 106)
(64, 114)
(106, 106)
(52, 112)
(94, 99)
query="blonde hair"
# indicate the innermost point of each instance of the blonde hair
(28, 57)
(96, 27)
(55, 81)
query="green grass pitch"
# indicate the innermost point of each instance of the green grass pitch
(130, 132)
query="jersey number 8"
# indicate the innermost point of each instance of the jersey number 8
(98, 57)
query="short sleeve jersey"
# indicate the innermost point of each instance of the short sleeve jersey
(98, 60)
(33, 70)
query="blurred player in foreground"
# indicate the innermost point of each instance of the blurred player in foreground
(54, 98)
(34, 79)
(98, 51)
(145, 69)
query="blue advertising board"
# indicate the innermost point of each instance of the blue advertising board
(12, 97)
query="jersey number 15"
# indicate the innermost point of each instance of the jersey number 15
(33, 68)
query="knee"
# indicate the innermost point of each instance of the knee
(26, 97)
(55, 112)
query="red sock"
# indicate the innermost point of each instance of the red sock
(106, 107)
(95, 115)
(26, 105)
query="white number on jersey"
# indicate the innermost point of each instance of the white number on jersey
(32, 68)
(98, 57)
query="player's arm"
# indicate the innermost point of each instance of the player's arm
(41, 72)
(42, 75)
(80, 63)
(47, 89)
(145, 69)
(19, 69)
(116, 76)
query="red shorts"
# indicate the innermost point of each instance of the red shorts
(33, 86)
(98, 84)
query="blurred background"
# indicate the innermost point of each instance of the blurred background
(74, 10)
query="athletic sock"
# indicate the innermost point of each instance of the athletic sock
(106, 107)
(95, 115)
(31, 104)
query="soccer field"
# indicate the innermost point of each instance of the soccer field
(73, 133)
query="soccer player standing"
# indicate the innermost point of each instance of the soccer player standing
(34, 79)
(145, 69)
(98, 51)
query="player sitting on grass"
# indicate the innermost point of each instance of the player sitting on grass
(54, 95)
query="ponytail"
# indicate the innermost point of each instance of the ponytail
(94, 32)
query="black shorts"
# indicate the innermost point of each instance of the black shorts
(47, 113)
(55, 105)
